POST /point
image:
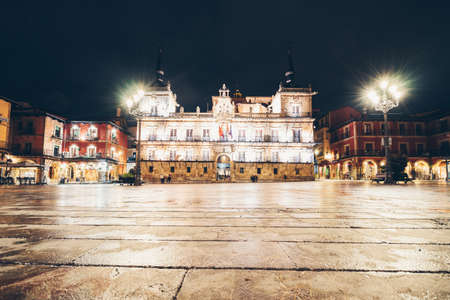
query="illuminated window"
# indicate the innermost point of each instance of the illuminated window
(92, 132)
(74, 151)
(206, 134)
(114, 135)
(57, 131)
(241, 156)
(150, 154)
(258, 135)
(205, 155)
(91, 151)
(274, 135)
(75, 132)
(259, 156)
(189, 154)
(296, 135)
(173, 134)
(242, 135)
(274, 156)
(172, 155)
(189, 134)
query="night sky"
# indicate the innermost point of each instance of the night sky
(75, 58)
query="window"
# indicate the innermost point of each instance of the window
(188, 170)
(258, 170)
(403, 148)
(296, 110)
(347, 150)
(297, 171)
(258, 135)
(274, 156)
(241, 156)
(172, 154)
(296, 135)
(75, 132)
(242, 135)
(206, 134)
(368, 148)
(205, 170)
(172, 169)
(402, 129)
(274, 135)
(74, 151)
(346, 132)
(27, 149)
(57, 131)
(420, 149)
(173, 134)
(150, 169)
(56, 151)
(259, 156)
(91, 151)
(367, 129)
(113, 134)
(382, 129)
(241, 170)
(419, 129)
(189, 154)
(205, 155)
(92, 133)
(189, 134)
(275, 171)
(150, 154)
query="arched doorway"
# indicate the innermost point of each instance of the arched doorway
(422, 170)
(223, 167)
(348, 167)
(439, 170)
(369, 169)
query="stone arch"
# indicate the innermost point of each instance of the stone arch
(422, 170)
(439, 170)
(370, 168)
(223, 166)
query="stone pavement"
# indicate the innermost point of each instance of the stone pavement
(308, 240)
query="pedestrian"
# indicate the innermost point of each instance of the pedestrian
(161, 177)
(169, 178)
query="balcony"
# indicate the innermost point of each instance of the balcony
(74, 138)
(54, 136)
(91, 138)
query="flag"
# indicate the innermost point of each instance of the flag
(220, 131)
(231, 132)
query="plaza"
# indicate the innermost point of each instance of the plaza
(293, 240)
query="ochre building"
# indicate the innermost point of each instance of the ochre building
(268, 138)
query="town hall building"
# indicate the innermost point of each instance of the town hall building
(270, 138)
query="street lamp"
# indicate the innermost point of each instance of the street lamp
(134, 109)
(385, 95)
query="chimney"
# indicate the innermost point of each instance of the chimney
(118, 111)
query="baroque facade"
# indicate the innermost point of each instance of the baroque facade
(268, 137)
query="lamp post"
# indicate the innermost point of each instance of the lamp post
(134, 109)
(385, 95)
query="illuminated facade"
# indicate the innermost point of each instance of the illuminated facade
(268, 137)
(94, 151)
(356, 149)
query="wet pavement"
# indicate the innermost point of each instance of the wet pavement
(308, 240)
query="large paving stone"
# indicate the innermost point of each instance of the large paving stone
(250, 284)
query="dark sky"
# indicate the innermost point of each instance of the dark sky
(75, 57)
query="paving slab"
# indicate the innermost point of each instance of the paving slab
(41, 282)
(250, 284)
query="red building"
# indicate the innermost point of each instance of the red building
(95, 151)
(357, 150)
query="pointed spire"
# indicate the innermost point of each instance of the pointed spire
(159, 71)
(289, 76)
